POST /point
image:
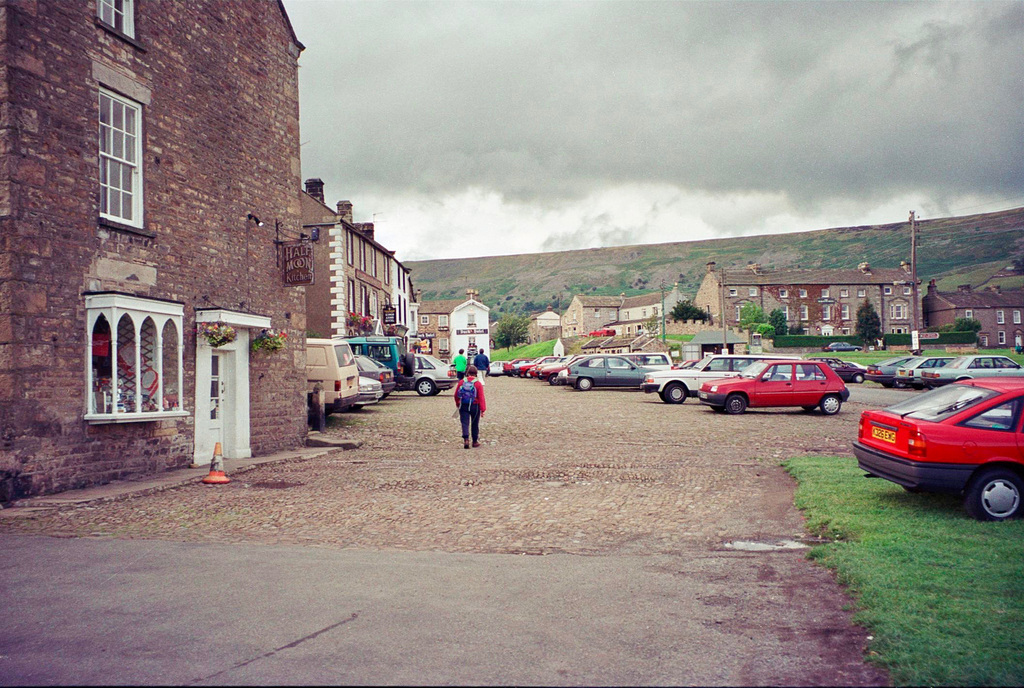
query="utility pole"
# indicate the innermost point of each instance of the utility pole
(662, 311)
(913, 269)
(721, 305)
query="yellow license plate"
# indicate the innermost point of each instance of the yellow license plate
(883, 434)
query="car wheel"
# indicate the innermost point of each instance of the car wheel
(994, 495)
(584, 384)
(858, 378)
(551, 380)
(426, 387)
(735, 403)
(830, 404)
(675, 393)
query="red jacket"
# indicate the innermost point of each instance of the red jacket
(479, 395)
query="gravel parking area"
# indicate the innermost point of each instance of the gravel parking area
(559, 471)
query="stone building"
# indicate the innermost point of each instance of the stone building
(544, 326)
(434, 327)
(357, 280)
(999, 312)
(150, 151)
(635, 311)
(820, 302)
(624, 314)
(447, 325)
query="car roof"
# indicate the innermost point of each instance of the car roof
(999, 384)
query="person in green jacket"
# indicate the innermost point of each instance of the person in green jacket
(460, 364)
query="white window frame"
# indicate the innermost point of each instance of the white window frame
(844, 311)
(732, 291)
(114, 307)
(907, 291)
(752, 291)
(783, 293)
(887, 290)
(1000, 317)
(844, 293)
(108, 11)
(805, 313)
(114, 157)
(785, 312)
(442, 321)
(424, 320)
(738, 309)
(898, 311)
(826, 312)
(442, 344)
(983, 340)
(803, 293)
(471, 319)
(1001, 337)
(969, 314)
(824, 293)
(1016, 317)
(861, 293)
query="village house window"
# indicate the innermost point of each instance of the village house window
(120, 159)
(907, 291)
(843, 293)
(899, 330)
(844, 312)
(471, 319)
(826, 312)
(1016, 317)
(350, 246)
(118, 15)
(887, 290)
(424, 320)
(442, 344)
(737, 313)
(861, 293)
(362, 255)
(643, 312)
(1001, 335)
(969, 314)
(785, 312)
(752, 291)
(804, 313)
(844, 330)
(783, 293)
(373, 261)
(364, 302)
(803, 293)
(983, 340)
(898, 311)
(135, 358)
(442, 321)
(824, 293)
(732, 292)
(352, 296)
(1000, 318)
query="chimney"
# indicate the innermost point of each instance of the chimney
(755, 268)
(419, 296)
(711, 266)
(865, 268)
(932, 288)
(995, 288)
(315, 188)
(963, 288)
(365, 228)
(345, 211)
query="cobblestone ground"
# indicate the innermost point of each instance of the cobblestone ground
(594, 472)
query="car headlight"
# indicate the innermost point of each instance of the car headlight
(714, 388)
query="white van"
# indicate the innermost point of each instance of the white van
(331, 366)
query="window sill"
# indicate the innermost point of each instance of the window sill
(123, 36)
(98, 418)
(112, 224)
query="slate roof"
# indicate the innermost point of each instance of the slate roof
(600, 301)
(983, 298)
(740, 278)
(652, 299)
(443, 307)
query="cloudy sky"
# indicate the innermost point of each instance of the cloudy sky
(486, 128)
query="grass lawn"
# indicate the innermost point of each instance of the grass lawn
(524, 351)
(942, 594)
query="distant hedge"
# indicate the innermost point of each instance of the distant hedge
(944, 338)
(811, 340)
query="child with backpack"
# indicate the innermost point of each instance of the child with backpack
(469, 400)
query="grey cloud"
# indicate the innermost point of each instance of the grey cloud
(549, 101)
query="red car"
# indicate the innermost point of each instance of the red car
(508, 367)
(809, 384)
(531, 370)
(602, 333)
(964, 438)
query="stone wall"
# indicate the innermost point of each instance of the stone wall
(219, 90)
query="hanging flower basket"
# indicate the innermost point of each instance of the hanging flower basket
(216, 333)
(269, 340)
(361, 324)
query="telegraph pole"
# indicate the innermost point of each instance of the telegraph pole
(913, 270)
(721, 305)
(662, 311)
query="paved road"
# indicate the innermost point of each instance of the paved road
(595, 538)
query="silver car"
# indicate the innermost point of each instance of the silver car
(432, 376)
(370, 392)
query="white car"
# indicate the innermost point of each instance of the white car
(370, 392)
(675, 385)
(496, 368)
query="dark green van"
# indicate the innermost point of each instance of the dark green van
(387, 350)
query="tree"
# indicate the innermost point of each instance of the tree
(752, 315)
(966, 325)
(869, 325)
(777, 319)
(653, 325)
(511, 330)
(765, 330)
(686, 310)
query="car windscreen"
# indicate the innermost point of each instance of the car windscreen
(942, 402)
(344, 354)
(754, 370)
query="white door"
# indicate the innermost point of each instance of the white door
(218, 383)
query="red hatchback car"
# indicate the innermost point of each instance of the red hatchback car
(964, 438)
(810, 384)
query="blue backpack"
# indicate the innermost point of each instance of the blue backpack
(467, 392)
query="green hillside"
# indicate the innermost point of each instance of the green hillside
(953, 250)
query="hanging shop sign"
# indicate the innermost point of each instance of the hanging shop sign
(390, 315)
(298, 263)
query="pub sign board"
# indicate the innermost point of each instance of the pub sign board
(298, 263)
(390, 315)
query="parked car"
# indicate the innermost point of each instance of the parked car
(432, 375)
(846, 371)
(544, 371)
(683, 365)
(375, 370)
(607, 332)
(496, 368)
(884, 372)
(651, 360)
(675, 385)
(909, 374)
(965, 438)
(970, 367)
(604, 370)
(527, 370)
(370, 392)
(507, 367)
(560, 373)
(841, 346)
(331, 367)
(809, 384)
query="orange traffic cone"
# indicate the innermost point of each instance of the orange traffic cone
(216, 476)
